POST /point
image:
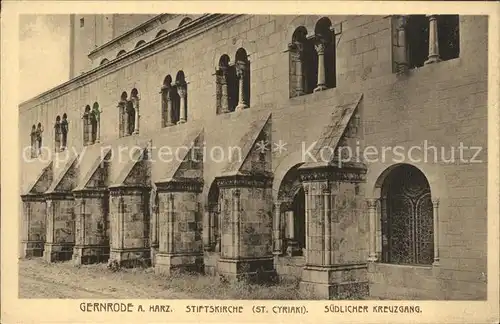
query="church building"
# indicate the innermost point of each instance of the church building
(348, 153)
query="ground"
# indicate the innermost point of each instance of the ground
(38, 279)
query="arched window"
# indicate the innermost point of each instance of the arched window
(166, 102)
(104, 61)
(440, 29)
(95, 123)
(64, 131)
(180, 98)
(303, 63)
(133, 112)
(38, 137)
(325, 49)
(57, 134)
(34, 150)
(122, 115)
(121, 53)
(140, 43)
(86, 126)
(185, 21)
(161, 33)
(226, 86)
(242, 65)
(407, 217)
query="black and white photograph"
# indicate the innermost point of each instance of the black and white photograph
(240, 156)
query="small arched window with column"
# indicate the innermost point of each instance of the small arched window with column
(424, 39)
(133, 111)
(325, 49)
(57, 134)
(122, 115)
(86, 124)
(180, 103)
(166, 102)
(303, 63)
(226, 86)
(242, 66)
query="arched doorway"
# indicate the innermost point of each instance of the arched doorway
(213, 208)
(291, 196)
(407, 217)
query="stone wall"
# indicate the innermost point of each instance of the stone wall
(443, 103)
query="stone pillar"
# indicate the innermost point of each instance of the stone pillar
(135, 103)
(224, 91)
(180, 224)
(372, 216)
(435, 205)
(154, 228)
(296, 52)
(292, 246)
(98, 128)
(123, 118)
(277, 232)
(320, 49)
(33, 225)
(241, 71)
(333, 267)
(246, 251)
(166, 92)
(402, 54)
(91, 222)
(60, 237)
(182, 91)
(433, 41)
(129, 226)
(207, 229)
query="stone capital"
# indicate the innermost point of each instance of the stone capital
(181, 90)
(371, 203)
(319, 46)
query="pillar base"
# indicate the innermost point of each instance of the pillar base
(210, 260)
(241, 107)
(251, 270)
(432, 59)
(293, 249)
(54, 252)
(320, 87)
(339, 281)
(167, 264)
(130, 258)
(182, 121)
(89, 254)
(154, 252)
(135, 132)
(32, 249)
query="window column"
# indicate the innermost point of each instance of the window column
(433, 40)
(135, 104)
(372, 215)
(241, 70)
(435, 207)
(320, 49)
(182, 91)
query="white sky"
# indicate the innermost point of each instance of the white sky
(43, 53)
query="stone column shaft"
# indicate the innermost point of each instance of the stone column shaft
(435, 205)
(328, 226)
(224, 100)
(207, 230)
(433, 40)
(372, 214)
(170, 220)
(236, 223)
(320, 49)
(183, 108)
(278, 247)
(289, 216)
(135, 102)
(308, 221)
(241, 73)
(402, 46)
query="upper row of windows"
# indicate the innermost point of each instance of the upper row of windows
(142, 42)
(423, 40)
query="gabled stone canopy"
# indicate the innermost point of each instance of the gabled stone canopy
(43, 172)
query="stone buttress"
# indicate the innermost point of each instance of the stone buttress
(179, 222)
(60, 238)
(246, 210)
(33, 224)
(92, 209)
(129, 211)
